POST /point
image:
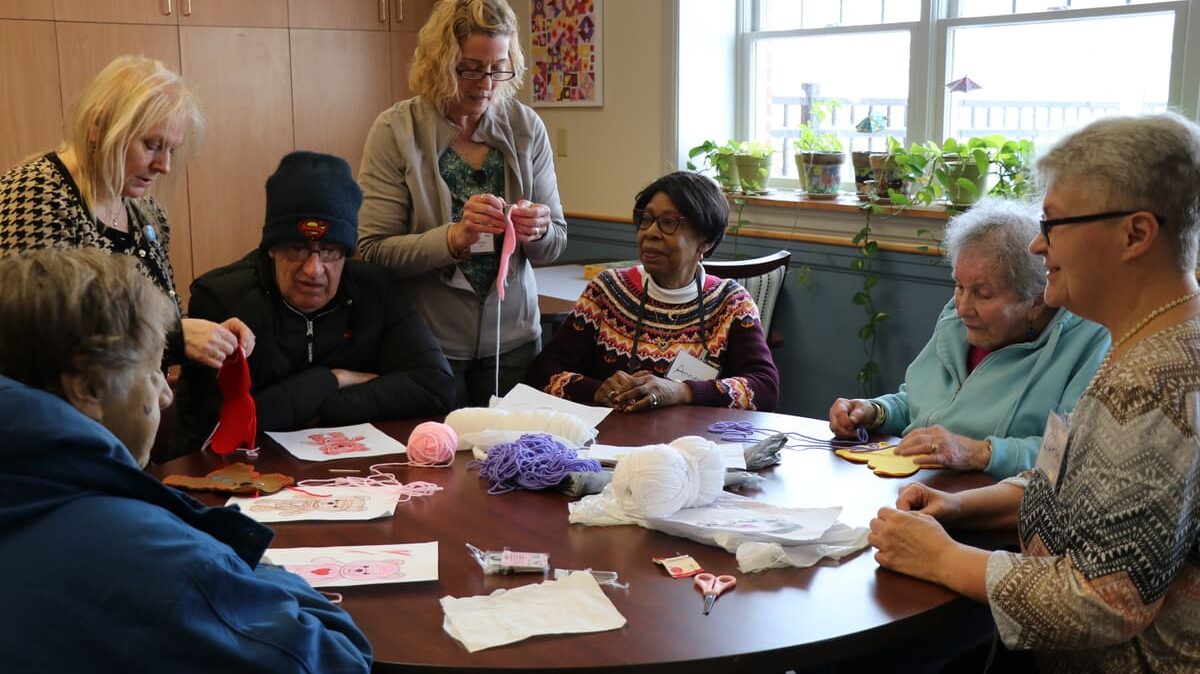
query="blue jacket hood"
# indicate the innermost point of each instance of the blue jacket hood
(52, 454)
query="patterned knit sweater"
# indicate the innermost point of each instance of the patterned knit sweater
(41, 207)
(595, 341)
(1109, 575)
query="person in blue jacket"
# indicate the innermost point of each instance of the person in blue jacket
(1000, 359)
(109, 570)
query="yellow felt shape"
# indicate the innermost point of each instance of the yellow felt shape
(884, 462)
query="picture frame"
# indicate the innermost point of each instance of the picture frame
(566, 53)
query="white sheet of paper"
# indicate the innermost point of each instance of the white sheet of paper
(575, 604)
(732, 453)
(335, 503)
(525, 397)
(328, 444)
(339, 566)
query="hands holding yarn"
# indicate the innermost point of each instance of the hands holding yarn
(641, 391)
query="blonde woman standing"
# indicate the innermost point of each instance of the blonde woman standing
(132, 126)
(438, 172)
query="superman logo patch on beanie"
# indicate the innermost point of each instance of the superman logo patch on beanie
(312, 228)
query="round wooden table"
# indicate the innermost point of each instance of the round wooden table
(775, 620)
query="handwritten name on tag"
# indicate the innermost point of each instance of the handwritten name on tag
(690, 368)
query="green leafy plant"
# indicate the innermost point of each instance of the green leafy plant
(718, 159)
(868, 333)
(753, 165)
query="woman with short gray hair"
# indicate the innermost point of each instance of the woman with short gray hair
(999, 361)
(101, 547)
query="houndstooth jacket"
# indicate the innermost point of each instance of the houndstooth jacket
(41, 206)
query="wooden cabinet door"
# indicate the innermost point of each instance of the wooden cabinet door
(409, 15)
(40, 10)
(30, 105)
(340, 82)
(243, 79)
(339, 14)
(118, 11)
(241, 13)
(83, 50)
(403, 45)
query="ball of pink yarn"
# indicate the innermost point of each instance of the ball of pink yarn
(432, 444)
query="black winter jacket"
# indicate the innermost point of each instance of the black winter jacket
(368, 327)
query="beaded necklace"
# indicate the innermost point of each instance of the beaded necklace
(1137, 328)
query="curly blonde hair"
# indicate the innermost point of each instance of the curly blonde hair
(434, 74)
(124, 102)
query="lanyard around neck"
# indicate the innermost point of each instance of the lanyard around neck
(637, 331)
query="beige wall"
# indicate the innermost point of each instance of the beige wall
(614, 150)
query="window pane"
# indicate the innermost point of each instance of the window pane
(805, 14)
(793, 73)
(968, 8)
(1091, 74)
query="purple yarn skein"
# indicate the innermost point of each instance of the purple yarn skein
(533, 461)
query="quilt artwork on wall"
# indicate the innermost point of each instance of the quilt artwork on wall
(566, 54)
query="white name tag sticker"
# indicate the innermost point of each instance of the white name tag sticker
(1054, 445)
(690, 368)
(485, 244)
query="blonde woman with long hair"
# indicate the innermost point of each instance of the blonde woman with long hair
(132, 127)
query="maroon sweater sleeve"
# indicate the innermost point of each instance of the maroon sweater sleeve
(750, 381)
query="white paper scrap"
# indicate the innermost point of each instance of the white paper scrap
(328, 444)
(318, 503)
(525, 397)
(573, 605)
(338, 566)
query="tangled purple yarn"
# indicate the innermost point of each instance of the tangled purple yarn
(533, 461)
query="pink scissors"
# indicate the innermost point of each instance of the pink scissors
(713, 587)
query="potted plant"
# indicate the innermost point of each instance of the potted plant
(718, 158)
(819, 159)
(753, 161)
(864, 177)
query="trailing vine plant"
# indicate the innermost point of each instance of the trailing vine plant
(864, 264)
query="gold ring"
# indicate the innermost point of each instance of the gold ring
(933, 448)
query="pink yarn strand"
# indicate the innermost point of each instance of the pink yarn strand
(377, 479)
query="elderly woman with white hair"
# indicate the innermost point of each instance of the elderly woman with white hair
(1108, 576)
(999, 361)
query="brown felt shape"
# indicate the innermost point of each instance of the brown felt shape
(884, 462)
(236, 478)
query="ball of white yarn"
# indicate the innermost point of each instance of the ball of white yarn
(705, 467)
(653, 482)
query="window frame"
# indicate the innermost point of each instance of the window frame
(927, 117)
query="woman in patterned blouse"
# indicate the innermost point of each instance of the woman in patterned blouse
(1108, 577)
(93, 191)
(664, 333)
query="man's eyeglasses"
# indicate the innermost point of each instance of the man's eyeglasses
(298, 252)
(1048, 225)
(496, 75)
(667, 222)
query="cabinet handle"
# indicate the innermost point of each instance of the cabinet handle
(399, 11)
(383, 11)
(167, 8)
(187, 7)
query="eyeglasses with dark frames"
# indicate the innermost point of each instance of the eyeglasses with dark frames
(496, 75)
(667, 222)
(1050, 224)
(298, 252)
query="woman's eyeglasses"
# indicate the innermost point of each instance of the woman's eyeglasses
(298, 252)
(667, 222)
(496, 75)
(1050, 224)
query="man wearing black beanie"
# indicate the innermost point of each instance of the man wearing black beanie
(338, 343)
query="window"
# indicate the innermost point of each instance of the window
(930, 69)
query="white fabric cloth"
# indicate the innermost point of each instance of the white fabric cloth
(575, 604)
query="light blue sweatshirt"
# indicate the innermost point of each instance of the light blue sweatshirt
(1008, 396)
